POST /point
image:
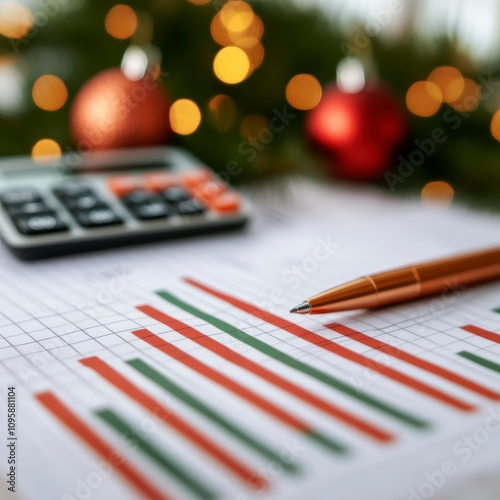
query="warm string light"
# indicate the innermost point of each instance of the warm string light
(450, 82)
(469, 97)
(304, 92)
(49, 93)
(121, 21)
(438, 194)
(46, 150)
(185, 117)
(495, 126)
(445, 84)
(231, 65)
(424, 98)
(16, 20)
(236, 25)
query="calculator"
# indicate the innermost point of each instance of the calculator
(89, 201)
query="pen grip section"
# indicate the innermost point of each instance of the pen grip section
(396, 286)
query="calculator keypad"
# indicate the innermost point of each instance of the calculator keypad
(112, 198)
(40, 224)
(30, 208)
(146, 206)
(98, 217)
(16, 197)
(175, 194)
(190, 207)
(152, 196)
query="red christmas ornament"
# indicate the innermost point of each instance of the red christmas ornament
(112, 111)
(360, 130)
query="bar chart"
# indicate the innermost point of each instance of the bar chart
(399, 417)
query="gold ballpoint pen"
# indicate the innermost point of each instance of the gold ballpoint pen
(408, 283)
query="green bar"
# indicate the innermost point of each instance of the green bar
(326, 442)
(188, 480)
(480, 361)
(293, 363)
(167, 384)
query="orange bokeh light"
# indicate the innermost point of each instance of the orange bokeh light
(46, 150)
(49, 93)
(424, 98)
(469, 98)
(438, 194)
(495, 126)
(16, 20)
(121, 21)
(304, 92)
(231, 65)
(449, 80)
(185, 117)
(236, 16)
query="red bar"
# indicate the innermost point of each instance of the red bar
(486, 334)
(168, 416)
(217, 377)
(328, 345)
(232, 356)
(114, 458)
(413, 360)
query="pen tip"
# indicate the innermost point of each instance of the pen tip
(303, 308)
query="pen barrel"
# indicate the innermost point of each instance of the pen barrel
(437, 278)
(459, 272)
(433, 278)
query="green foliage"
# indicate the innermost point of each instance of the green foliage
(74, 45)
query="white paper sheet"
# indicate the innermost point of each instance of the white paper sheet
(303, 239)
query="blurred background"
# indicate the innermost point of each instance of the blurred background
(402, 94)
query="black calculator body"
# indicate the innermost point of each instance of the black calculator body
(99, 200)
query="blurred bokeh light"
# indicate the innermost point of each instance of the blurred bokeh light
(231, 65)
(185, 117)
(438, 194)
(16, 20)
(424, 98)
(49, 93)
(46, 150)
(121, 21)
(304, 92)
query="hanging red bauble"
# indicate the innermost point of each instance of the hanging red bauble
(112, 111)
(360, 131)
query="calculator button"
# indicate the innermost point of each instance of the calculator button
(30, 208)
(70, 190)
(155, 209)
(190, 207)
(137, 197)
(19, 196)
(84, 202)
(196, 177)
(158, 181)
(227, 203)
(209, 191)
(175, 195)
(122, 185)
(97, 217)
(40, 224)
